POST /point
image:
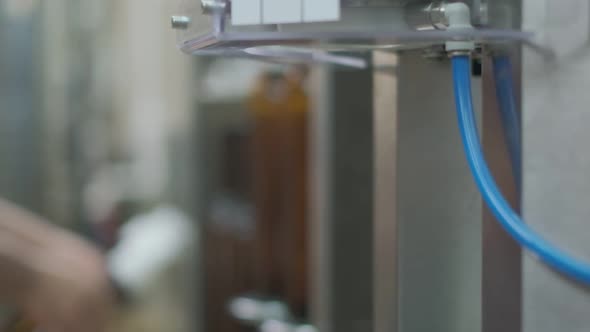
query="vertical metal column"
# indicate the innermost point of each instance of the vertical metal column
(385, 228)
(438, 207)
(342, 223)
(556, 160)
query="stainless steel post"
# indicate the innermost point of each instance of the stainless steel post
(342, 222)
(438, 209)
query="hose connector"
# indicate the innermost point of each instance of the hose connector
(458, 15)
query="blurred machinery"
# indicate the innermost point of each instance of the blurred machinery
(403, 241)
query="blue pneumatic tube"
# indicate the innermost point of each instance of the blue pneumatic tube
(510, 221)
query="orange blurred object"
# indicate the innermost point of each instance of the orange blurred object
(280, 107)
(270, 261)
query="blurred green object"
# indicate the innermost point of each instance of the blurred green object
(20, 324)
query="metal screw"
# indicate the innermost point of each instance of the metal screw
(180, 22)
(211, 6)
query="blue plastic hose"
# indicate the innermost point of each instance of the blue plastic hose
(509, 114)
(511, 222)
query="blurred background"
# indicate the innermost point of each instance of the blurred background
(110, 131)
(240, 196)
(96, 119)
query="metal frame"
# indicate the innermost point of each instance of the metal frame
(342, 212)
(385, 228)
(438, 213)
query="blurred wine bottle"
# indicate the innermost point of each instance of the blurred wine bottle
(279, 107)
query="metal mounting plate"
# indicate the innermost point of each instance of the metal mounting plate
(368, 26)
